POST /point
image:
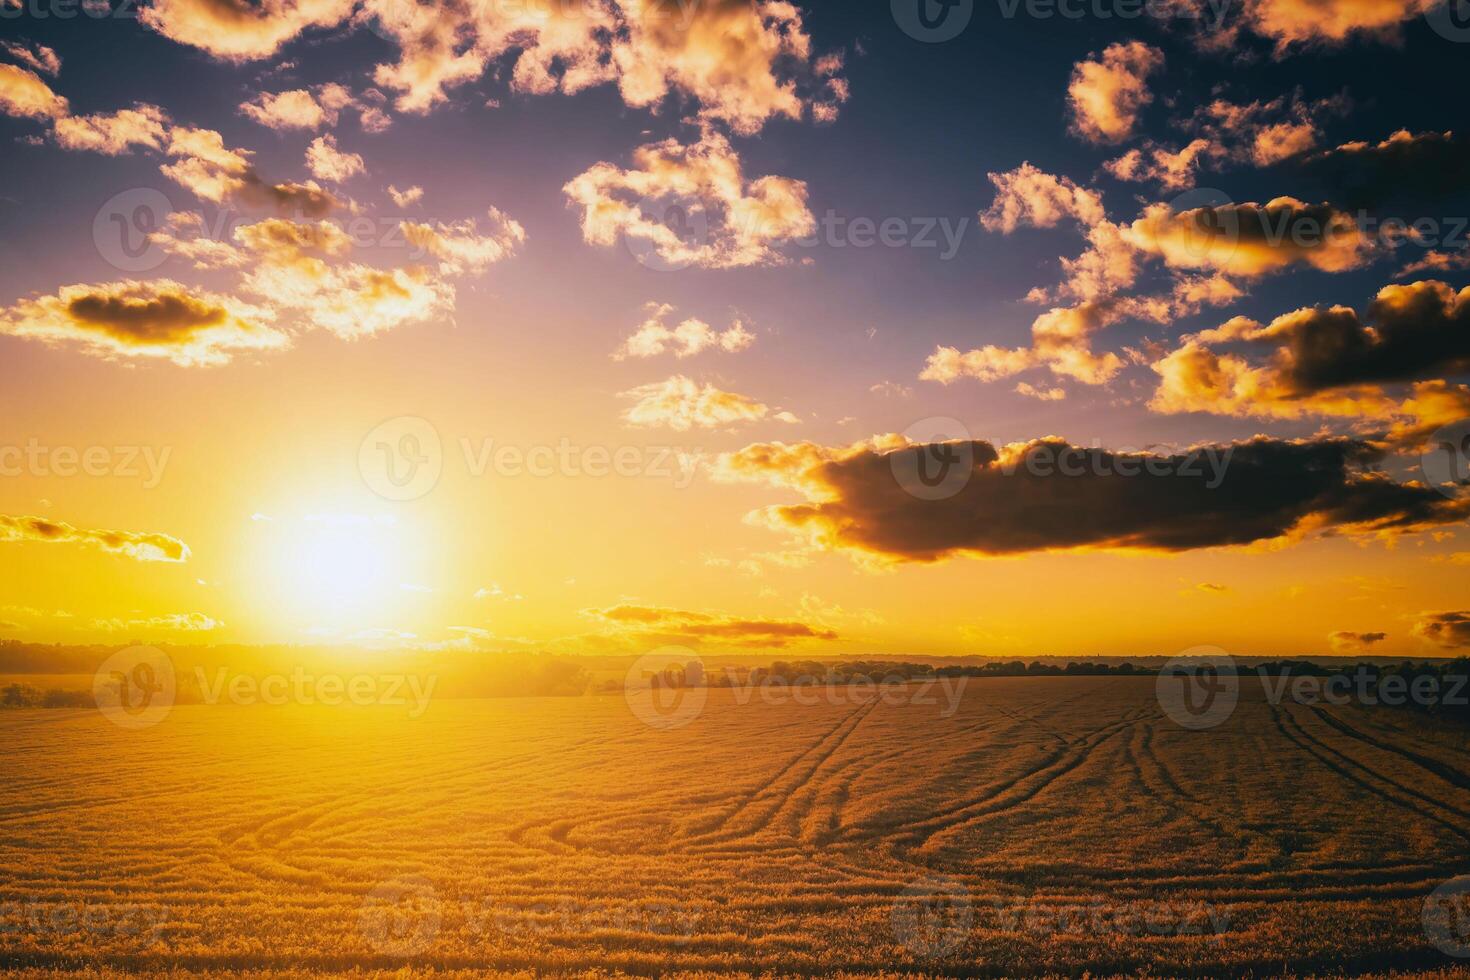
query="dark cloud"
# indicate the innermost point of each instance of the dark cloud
(1412, 332)
(1446, 629)
(1049, 495)
(1403, 170)
(1347, 641)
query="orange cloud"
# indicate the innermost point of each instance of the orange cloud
(1107, 92)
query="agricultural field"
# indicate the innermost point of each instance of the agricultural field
(1031, 826)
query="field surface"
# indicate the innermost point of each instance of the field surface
(1047, 825)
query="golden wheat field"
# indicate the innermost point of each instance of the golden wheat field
(1046, 825)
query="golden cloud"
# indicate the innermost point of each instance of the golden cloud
(737, 223)
(655, 337)
(113, 133)
(214, 172)
(743, 61)
(235, 30)
(130, 544)
(23, 94)
(158, 319)
(1328, 361)
(679, 625)
(328, 163)
(461, 248)
(1031, 197)
(1251, 239)
(299, 108)
(681, 404)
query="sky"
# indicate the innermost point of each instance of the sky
(584, 326)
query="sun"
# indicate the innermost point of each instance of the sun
(333, 571)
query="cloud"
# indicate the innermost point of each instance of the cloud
(36, 56)
(681, 404)
(172, 622)
(24, 95)
(1041, 394)
(681, 625)
(299, 108)
(743, 61)
(1251, 239)
(1348, 642)
(214, 172)
(159, 319)
(352, 300)
(113, 133)
(1328, 360)
(654, 337)
(328, 163)
(1447, 629)
(1045, 495)
(461, 248)
(1312, 23)
(129, 544)
(295, 269)
(234, 30)
(1436, 261)
(891, 389)
(1258, 134)
(735, 222)
(1060, 342)
(1172, 169)
(1107, 93)
(406, 198)
(1030, 197)
(1404, 169)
